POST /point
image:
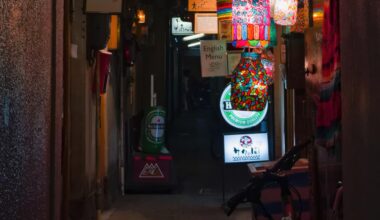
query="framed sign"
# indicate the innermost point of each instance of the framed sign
(202, 5)
(104, 6)
(246, 148)
(206, 23)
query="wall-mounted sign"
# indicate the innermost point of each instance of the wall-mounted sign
(180, 27)
(206, 23)
(101, 6)
(239, 119)
(245, 148)
(202, 5)
(213, 58)
(225, 29)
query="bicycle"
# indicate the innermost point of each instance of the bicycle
(275, 175)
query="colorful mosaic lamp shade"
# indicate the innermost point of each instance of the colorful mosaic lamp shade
(224, 9)
(285, 12)
(249, 90)
(302, 21)
(251, 23)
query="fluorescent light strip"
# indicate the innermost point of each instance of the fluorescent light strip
(194, 44)
(192, 37)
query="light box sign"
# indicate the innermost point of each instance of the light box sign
(236, 118)
(180, 27)
(246, 148)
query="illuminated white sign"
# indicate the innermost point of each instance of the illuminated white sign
(245, 148)
(180, 27)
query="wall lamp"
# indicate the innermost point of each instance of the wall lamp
(141, 16)
(192, 37)
(194, 44)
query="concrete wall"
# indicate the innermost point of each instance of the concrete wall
(360, 29)
(31, 71)
(80, 119)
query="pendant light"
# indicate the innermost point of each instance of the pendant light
(249, 90)
(285, 12)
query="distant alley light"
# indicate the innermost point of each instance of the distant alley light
(192, 37)
(194, 44)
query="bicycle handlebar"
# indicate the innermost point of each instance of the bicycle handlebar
(290, 158)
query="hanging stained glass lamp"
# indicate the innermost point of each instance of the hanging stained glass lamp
(249, 90)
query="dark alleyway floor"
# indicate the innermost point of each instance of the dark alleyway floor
(193, 142)
(173, 207)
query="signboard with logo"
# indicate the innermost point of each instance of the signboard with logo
(180, 27)
(246, 148)
(202, 5)
(213, 58)
(239, 119)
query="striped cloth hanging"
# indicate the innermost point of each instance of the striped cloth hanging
(224, 9)
(329, 106)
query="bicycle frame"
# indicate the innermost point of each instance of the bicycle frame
(252, 192)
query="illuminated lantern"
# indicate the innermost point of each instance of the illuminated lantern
(140, 16)
(249, 91)
(251, 23)
(285, 12)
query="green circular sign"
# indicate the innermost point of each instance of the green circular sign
(239, 119)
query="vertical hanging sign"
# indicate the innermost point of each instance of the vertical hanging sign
(213, 58)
